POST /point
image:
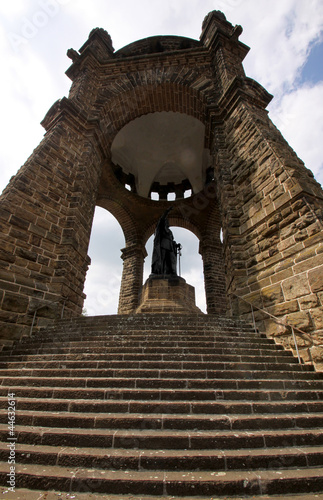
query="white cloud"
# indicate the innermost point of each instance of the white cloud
(299, 116)
(279, 39)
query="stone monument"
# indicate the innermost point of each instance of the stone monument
(166, 115)
(165, 291)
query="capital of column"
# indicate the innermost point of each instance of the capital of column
(132, 251)
(209, 244)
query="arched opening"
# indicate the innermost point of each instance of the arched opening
(102, 285)
(190, 262)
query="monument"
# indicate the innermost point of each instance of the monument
(163, 116)
(165, 291)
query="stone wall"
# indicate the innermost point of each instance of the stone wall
(275, 242)
(46, 215)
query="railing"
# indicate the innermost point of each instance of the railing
(294, 330)
(63, 300)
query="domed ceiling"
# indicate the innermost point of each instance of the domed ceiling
(164, 148)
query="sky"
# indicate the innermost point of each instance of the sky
(286, 57)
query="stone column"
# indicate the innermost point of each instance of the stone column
(132, 276)
(214, 275)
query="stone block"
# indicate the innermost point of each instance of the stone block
(309, 263)
(296, 286)
(15, 303)
(298, 247)
(282, 275)
(11, 331)
(317, 317)
(274, 329)
(272, 295)
(308, 301)
(315, 277)
(301, 320)
(307, 253)
(285, 308)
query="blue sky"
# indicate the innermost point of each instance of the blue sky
(286, 57)
(312, 71)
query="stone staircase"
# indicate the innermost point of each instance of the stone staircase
(160, 406)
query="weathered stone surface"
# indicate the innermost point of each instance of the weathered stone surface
(284, 308)
(301, 320)
(272, 295)
(14, 302)
(315, 277)
(308, 301)
(311, 263)
(317, 315)
(297, 286)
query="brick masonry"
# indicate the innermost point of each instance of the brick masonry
(265, 200)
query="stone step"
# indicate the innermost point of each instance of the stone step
(163, 369)
(180, 483)
(128, 336)
(127, 353)
(282, 380)
(180, 351)
(151, 320)
(166, 422)
(142, 361)
(128, 330)
(165, 395)
(161, 407)
(161, 440)
(120, 459)
(113, 342)
(25, 494)
(144, 346)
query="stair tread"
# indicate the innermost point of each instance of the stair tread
(184, 404)
(269, 452)
(159, 432)
(184, 475)
(147, 476)
(25, 494)
(154, 395)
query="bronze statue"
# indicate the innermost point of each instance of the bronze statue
(165, 250)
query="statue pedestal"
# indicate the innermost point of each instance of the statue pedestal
(167, 294)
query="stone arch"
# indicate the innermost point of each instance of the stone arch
(126, 221)
(265, 193)
(123, 104)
